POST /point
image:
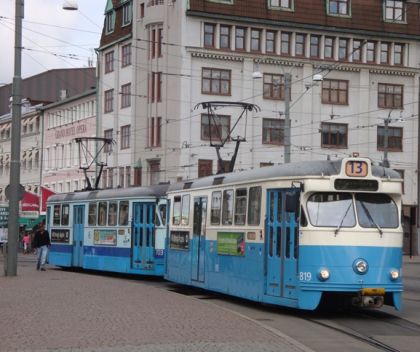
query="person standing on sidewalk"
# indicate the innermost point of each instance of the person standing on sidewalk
(42, 242)
(26, 242)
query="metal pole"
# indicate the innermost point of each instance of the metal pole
(13, 234)
(287, 93)
(417, 246)
(386, 162)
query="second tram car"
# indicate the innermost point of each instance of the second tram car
(119, 230)
(291, 234)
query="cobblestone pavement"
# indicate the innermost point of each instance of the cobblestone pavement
(59, 310)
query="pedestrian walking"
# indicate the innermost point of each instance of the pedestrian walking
(26, 241)
(42, 243)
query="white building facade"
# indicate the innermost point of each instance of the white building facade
(183, 53)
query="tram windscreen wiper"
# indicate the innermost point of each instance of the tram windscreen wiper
(342, 220)
(369, 216)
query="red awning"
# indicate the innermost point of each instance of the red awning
(45, 194)
(30, 202)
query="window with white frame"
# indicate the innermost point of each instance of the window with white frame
(109, 21)
(280, 4)
(127, 13)
(126, 95)
(339, 7)
(394, 10)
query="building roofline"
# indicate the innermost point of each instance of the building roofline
(68, 100)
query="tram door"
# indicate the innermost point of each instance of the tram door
(199, 238)
(143, 228)
(281, 245)
(78, 228)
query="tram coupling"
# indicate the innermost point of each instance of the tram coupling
(369, 298)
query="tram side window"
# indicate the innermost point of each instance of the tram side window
(123, 218)
(65, 214)
(161, 219)
(56, 216)
(216, 206)
(92, 214)
(227, 213)
(176, 217)
(240, 206)
(112, 213)
(254, 206)
(102, 208)
(185, 213)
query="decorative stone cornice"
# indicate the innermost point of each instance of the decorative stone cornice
(214, 56)
(336, 67)
(384, 71)
(272, 61)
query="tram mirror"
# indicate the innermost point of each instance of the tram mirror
(292, 202)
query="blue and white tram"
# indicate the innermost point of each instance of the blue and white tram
(119, 230)
(291, 234)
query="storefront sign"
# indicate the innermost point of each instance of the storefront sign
(70, 131)
(231, 243)
(60, 235)
(105, 237)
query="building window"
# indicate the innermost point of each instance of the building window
(371, 52)
(300, 41)
(126, 55)
(152, 42)
(209, 33)
(215, 81)
(280, 4)
(270, 42)
(111, 177)
(343, 48)
(108, 146)
(385, 53)
(159, 42)
(156, 87)
(273, 131)
(273, 86)
(314, 46)
(255, 39)
(329, 48)
(215, 128)
(357, 52)
(142, 10)
(205, 168)
(127, 13)
(155, 131)
(395, 138)
(154, 169)
(240, 35)
(285, 43)
(394, 10)
(109, 22)
(121, 174)
(109, 62)
(128, 176)
(125, 137)
(109, 100)
(126, 95)
(225, 37)
(335, 92)
(137, 176)
(390, 96)
(398, 54)
(339, 7)
(333, 135)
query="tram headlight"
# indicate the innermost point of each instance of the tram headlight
(395, 274)
(360, 266)
(324, 274)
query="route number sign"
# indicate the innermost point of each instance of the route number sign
(356, 168)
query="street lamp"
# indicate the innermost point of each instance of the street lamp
(15, 192)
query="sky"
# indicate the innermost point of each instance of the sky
(51, 37)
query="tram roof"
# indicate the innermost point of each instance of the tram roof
(296, 169)
(115, 193)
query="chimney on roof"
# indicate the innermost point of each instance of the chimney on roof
(63, 94)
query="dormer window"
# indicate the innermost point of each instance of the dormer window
(280, 4)
(339, 7)
(394, 11)
(127, 13)
(109, 21)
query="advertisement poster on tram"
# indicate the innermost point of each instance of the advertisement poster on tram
(4, 218)
(231, 243)
(105, 237)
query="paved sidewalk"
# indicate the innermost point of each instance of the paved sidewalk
(60, 310)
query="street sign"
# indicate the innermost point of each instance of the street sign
(21, 192)
(4, 216)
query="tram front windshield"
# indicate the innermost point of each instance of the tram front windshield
(334, 209)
